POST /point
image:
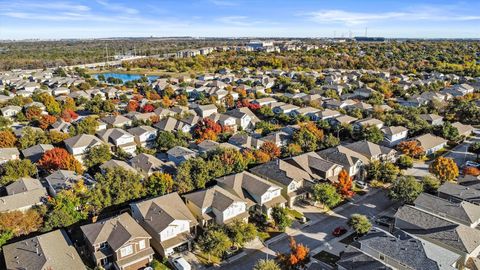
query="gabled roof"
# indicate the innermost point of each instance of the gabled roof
(393, 130)
(354, 259)
(113, 134)
(179, 151)
(116, 231)
(23, 184)
(115, 120)
(161, 211)
(215, 197)
(140, 130)
(146, 162)
(281, 171)
(312, 163)
(369, 149)
(82, 140)
(469, 193)
(434, 228)
(52, 250)
(428, 141)
(247, 181)
(113, 163)
(462, 212)
(343, 156)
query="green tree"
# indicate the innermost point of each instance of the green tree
(449, 132)
(326, 194)
(115, 186)
(475, 148)
(214, 242)
(430, 184)
(87, 125)
(265, 264)
(405, 162)
(329, 141)
(159, 184)
(97, 155)
(241, 232)
(167, 140)
(50, 103)
(359, 223)
(281, 218)
(306, 139)
(372, 134)
(31, 137)
(14, 169)
(405, 189)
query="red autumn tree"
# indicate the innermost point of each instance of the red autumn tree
(148, 108)
(411, 149)
(68, 115)
(59, 159)
(298, 257)
(345, 184)
(46, 120)
(132, 106)
(207, 129)
(271, 149)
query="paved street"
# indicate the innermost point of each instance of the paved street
(459, 153)
(319, 234)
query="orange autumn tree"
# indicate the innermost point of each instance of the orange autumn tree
(59, 159)
(46, 120)
(471, 171)
(69, 115)
(7, 139)
(298, 257)
(132, 106)
(345, 184)
(207, 129)
(411, 149)
(271, 149)
(445, 169)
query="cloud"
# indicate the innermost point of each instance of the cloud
(117, 7)
(412, 14)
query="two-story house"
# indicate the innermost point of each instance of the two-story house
(168, 221)
(295, 182)
(316, 166)
(118, 243)
(351, 161)
(119, 138)
(116, 121)
(77, 145)
(258, 192)
(144, 135)
(147, 164)
(216, 205)
(394, 135)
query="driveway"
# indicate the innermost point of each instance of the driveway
(318, 235)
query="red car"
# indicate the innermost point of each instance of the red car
(339, 231)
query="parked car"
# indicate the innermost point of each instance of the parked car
(181, 264)
(339, 231)
(361, 184)
(472, 164)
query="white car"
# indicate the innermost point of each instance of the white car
(181, 264)
(361, 184)
(472, 164)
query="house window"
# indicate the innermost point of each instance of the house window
(103, 245)
(126, 251)
(141, 244)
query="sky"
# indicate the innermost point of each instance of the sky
(57, 19)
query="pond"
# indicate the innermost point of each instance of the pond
(125, 77)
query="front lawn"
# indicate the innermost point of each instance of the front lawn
(204, 259)
(294, 213)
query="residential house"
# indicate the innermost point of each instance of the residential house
(295, 182)
(463, 130)
(325, 115)
(179, 154)
(35, 153)
(77, 145)
(116, 121)
(458, 193)
(244, 118)
(168, 221)
(354, 259)
(119, 138)
(400, 250)
(432, 119)
(147, 164)
(144, 135)
(113, 163)
(245, 141)
(264, 101)
(461, 212)
(206, 110)
(373, 151)
(458, 238)
(431, 143)
(342, 120)
(10, 111)
(61, 180)
(394, 135)
(172, 125)
(285, 109)
(61, 126)
(22, 195)
(52, 250)
(316, 166)
(118, 243)
(353, 162)
(216, 205)
(7, 154)
(368, 122)
(258, 192)
(226, 121)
